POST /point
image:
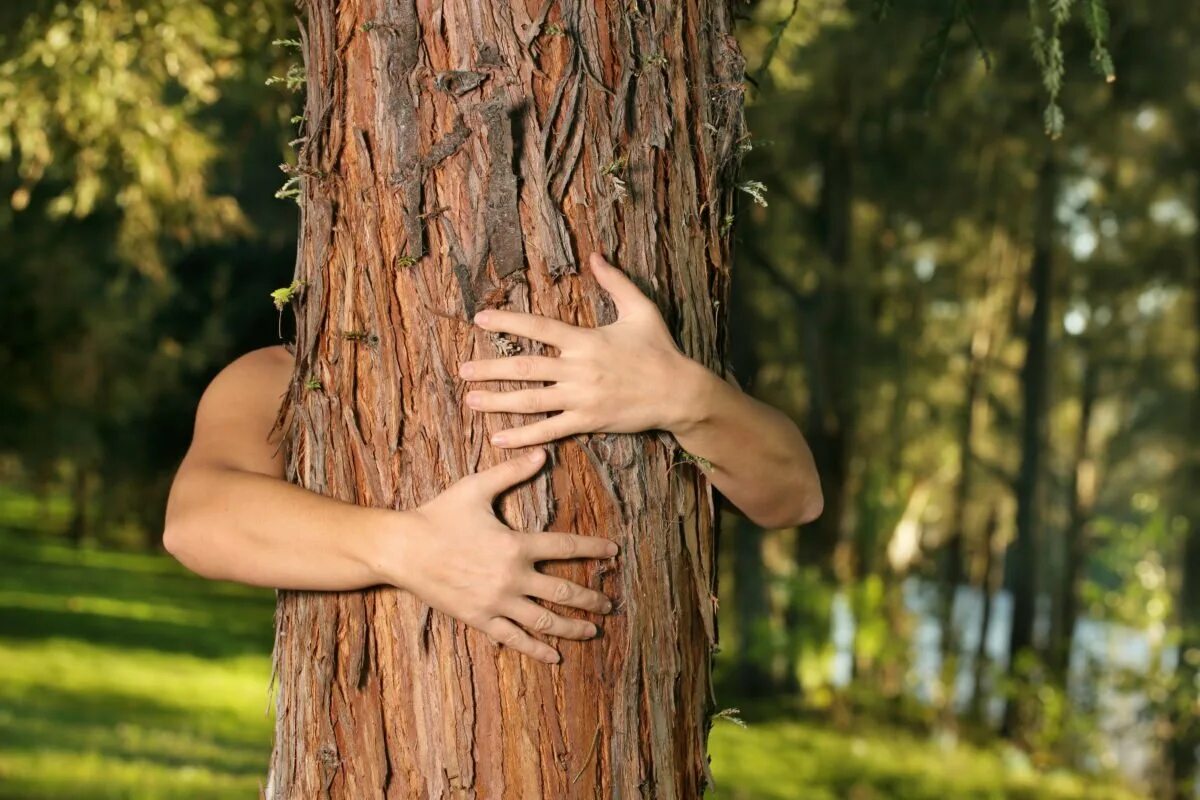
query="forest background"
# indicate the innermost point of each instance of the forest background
(967, 262)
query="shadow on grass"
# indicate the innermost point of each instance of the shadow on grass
(121, 726)
(17, 623)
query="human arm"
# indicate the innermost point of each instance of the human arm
(629, 377)
(232, 516)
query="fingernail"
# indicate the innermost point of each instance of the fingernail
(554, 658)
(482, 317)
(592, 631)
(473, 399)
(466, 369)
(612, 548)
(536, 455)
(607, 606)
(499, 438)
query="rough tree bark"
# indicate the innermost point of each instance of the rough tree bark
(461, 155)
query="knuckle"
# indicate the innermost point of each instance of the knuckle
(544, 622)
(563, 591)
(522, 368)
(567, 545)
(511, 639)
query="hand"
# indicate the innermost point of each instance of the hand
(464, 562)
(625, 377)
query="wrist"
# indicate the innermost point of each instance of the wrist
(691, 391)
(384, 550)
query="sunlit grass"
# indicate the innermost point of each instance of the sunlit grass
(790, 760)
(121, 676)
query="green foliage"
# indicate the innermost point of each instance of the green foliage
(1046, 40)
(101, 106)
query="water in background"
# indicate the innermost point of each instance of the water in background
(1125, 724)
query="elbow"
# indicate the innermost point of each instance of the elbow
(180, 538)
(811, 508)
(805, 506)
(176, 541)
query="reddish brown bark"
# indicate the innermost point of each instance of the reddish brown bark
(461, 155)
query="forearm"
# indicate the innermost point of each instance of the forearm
(231, 524)
(760, 460)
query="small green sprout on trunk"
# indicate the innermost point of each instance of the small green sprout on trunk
(757, 190)
(284, 296)
(281, 297)
(732, 715)
(313, 384)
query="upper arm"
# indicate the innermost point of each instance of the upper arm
(237, 412)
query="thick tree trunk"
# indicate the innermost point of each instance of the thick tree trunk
(461, 155)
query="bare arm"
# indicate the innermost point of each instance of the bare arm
(231, 516)
(629, 376)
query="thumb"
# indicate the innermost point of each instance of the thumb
(496, 479)
(624, 292)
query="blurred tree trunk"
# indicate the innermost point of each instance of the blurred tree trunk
(1082, 496)
(987, 588)
(977, 351)
(457, 156)
(79, 528)
(752, 670)
(1186, 705)
(829, 331)
(753, 673)
(1022, 557)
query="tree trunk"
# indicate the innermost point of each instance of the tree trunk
(1021, 560)
(1082, 497)
(463, 155)
(1185, 745)
(987, 589)
(977, 353)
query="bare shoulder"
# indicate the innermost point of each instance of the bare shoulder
(237, 411)
(267, 369)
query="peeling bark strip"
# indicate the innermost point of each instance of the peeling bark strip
(441, 138)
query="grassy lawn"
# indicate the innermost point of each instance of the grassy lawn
(122, 676)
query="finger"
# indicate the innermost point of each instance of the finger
(559, 546)
(625, 294)
(516, 368)
(565, 593)
(530, 326)
(506, 633)
(524, 401)
(539, 619)
(494, 480)
(546, 430)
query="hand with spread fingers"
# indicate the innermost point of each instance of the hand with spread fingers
(620, 378)
(468, 564)
(629, 377)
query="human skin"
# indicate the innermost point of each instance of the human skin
(231, 515)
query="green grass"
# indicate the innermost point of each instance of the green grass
(122, 676)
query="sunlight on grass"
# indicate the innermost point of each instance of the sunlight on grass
(125, 677)
(790, 760)
(83, 721)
